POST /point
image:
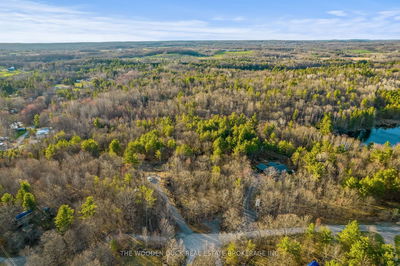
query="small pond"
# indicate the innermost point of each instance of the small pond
(381, 136)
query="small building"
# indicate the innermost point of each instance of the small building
(42, 132)
(23, 218)
(152, 179)
(3, 146)
(19, 126)
(11, 69)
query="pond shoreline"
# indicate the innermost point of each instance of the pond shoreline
(387, 123)
(379, 133)
(387, 130)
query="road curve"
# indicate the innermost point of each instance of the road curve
(196, 244)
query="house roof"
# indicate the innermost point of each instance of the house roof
(43, 131)
(22, 214)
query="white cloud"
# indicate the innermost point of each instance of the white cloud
(29, 21)
(239, 18)
(222, 18)
(218, 18)
(389, 13)
(338, 13)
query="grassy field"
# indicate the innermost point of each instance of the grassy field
(222, 54)
(4, 73)
(359, 51)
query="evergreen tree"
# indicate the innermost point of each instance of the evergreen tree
(64, 218)
(130, 154)
(6, 198)
(36, 120)
(289, 247)
(24, 188)
(90, 145)
(326, 126)
(231, 254)
(350, 234)
(88, 208)
(115, 147)
(29, 202)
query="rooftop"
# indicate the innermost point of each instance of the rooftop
(43, 131)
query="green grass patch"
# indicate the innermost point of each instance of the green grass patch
(232, 53)
(5, 73)
(62, 87)
(19, 133)
(239, 52)
(78, 84)
(173, 53)
(167, 55)
(359, 51)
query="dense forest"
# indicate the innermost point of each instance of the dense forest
(133, 130)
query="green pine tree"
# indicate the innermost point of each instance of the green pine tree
(90, 145)
(88, 209)
(24, 188)
(115, 147)
(7, 198)
(64, 218)
(36, 120)
(326, 126)
(29, 202)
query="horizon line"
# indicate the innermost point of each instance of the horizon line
(210, 40)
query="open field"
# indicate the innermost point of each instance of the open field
(4, 73)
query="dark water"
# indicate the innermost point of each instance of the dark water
(381, 136)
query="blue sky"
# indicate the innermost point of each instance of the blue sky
(132, 20)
